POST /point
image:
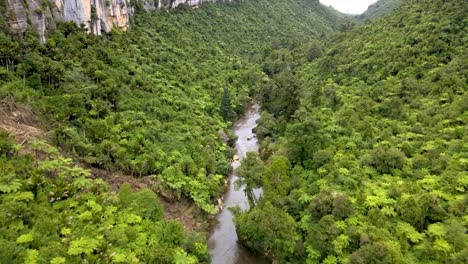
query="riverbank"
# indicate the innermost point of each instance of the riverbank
(223, 242)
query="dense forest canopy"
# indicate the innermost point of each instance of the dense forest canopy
(157, 102)
(364, 149)
(380, 8)
(371, 166)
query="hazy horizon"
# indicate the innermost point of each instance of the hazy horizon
(349, 6)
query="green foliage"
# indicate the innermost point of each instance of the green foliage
(7, 147)
(277, 178)
(147, 102)
(363, 134)
(226, 106)
(144, 202)
(267, 230)
(380, 8)
(377, 142)
(82, 245)
(195, 69)
(250, 175)
(386, 158)
(57, 214)
(26, 238)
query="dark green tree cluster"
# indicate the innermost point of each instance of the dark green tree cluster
(380, 8)
(372, 165)
(52, 212)
(151, 101)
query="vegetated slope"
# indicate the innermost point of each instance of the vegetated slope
(53, 213)
(373, 165)
(380, 8)
(248, 27)
(182, 64)
(151, 101)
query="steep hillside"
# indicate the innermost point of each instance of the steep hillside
(372, 165)
(247, 28)
(380, 8)
(101, 16)
(97, 17)
(157, 102)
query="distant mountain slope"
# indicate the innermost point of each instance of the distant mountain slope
(247, 26)
(380, 8)
(372, 166)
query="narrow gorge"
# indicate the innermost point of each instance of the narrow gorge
(223, 242)
(123, 122)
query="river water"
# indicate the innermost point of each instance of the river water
(223, 245)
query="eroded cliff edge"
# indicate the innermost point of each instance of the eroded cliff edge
(97, 16)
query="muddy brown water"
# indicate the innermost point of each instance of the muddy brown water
(223, 242)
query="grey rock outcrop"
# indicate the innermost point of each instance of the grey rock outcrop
(97, 16)
(22, 13)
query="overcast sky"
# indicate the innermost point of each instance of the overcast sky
(349, 6)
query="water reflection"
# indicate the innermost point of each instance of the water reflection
(223, 243)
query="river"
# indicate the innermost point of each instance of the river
(223, 245)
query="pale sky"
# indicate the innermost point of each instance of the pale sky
(349, 6)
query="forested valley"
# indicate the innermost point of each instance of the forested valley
(363, 134)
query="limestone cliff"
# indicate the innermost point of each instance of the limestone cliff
(21, 13)
(96, 15)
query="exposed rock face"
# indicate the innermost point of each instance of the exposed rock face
(189, 2)
(20, 12)
(78, 11)
(96, 15)
(106, 14)
(20, 21)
